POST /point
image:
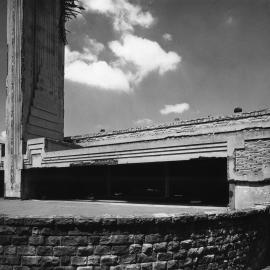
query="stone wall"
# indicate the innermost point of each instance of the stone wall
(253, 157)
(231, 240)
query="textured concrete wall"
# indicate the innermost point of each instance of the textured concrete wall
(253, 158)
(236, 240)
(43, 73)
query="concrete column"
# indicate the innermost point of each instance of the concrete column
(13, 152)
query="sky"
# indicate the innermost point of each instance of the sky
(145, 62)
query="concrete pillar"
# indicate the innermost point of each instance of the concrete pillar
(35, 81)
(13, 152)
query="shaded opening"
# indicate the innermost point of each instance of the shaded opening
(2, 183)
(200, 181)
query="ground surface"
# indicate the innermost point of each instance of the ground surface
(95, 208)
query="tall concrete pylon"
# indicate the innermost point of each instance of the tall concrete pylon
(35, 80)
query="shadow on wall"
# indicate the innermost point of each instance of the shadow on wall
(201, 181)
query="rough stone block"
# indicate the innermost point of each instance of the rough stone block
(146, 266)
(127, 259)
(1, 250)
(172, 264)
(44, 251)
(93, 260)
(26, 250)
(164, 256)
(120, 250)
(121, 239)
(10, 250)
(64, 251)
(49, 261)
(160, 247)
(36, 240)
(20, 268)
(143, 258)
(78, 261)
(186, 244)
(181, 254)
(109, 260)
(6, 230)
(5, 240)
(173, 246)
(5, 267)
(135, 248)
(53, 241)
(138, 238)
(159, 265)
(85, 251)
(153, 238)
(30, 260)
(102, 250)
(133, 267)
(19, 240)
(9, 260)
(147, 249)
(74, 241)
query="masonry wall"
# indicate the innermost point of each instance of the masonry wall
(253, 157)
(235, 240)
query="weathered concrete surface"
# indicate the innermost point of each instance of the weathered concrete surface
(97, 208)
(35, 81)
(231, 240)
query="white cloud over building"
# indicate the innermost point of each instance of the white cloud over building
(177, 108)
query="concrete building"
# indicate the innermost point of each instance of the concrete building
(215, 160)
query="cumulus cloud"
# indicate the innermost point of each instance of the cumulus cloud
(144, 122)
(167, 37)
(145, 55)
(3, 136)
(84, 67)
(177, 108)
(97, 74)
(123, 14)
(91, 50)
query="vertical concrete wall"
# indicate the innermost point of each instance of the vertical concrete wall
(43, 70)
(251, 172)
(35, 80)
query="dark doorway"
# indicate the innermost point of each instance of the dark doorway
(200, 181)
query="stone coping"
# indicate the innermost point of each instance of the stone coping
(148, 220)
(204, 120)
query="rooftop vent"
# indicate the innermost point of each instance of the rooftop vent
(237, 110)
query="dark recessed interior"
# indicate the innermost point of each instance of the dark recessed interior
(1, 184)
(200, 181)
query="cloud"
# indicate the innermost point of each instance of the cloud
(146, 56)
(177, 108)
(167, 37)
(144, 122)
(98, 74)
(85, 68)
(3, 136)
(91, 51)
(123, 14)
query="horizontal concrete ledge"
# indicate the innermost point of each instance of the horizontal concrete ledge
(144, 220)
